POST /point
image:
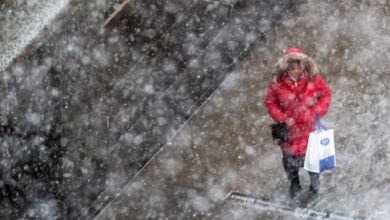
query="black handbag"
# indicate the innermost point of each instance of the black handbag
(279, 131)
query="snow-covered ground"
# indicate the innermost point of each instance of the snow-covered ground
(227, 145)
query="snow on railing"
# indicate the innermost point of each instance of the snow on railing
(267, 204)
(21, 22)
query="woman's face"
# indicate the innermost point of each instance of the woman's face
(295, 70)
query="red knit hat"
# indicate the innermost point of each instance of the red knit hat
(292, 50)
(295, 54)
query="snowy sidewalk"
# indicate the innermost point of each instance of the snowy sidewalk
(227, 144)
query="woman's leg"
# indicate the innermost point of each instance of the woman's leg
(291, 166)
(314, 182)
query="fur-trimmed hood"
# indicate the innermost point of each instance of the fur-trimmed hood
(292, 54)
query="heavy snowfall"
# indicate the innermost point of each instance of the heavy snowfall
(155, 109)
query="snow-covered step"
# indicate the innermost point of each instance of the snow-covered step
(21, 22)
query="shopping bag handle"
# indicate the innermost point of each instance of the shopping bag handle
(319, 126)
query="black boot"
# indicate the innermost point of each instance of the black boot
(314, 189)
(291, 165)
(314, 182)
(294, 190)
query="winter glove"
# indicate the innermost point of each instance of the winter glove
(279, 131)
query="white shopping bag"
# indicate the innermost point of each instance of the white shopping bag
(320, 153)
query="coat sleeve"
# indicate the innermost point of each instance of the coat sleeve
(323, 96)
(272, 105)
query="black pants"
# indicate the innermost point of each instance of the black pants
(292, 164)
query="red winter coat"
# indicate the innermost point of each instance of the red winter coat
(295, 103)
